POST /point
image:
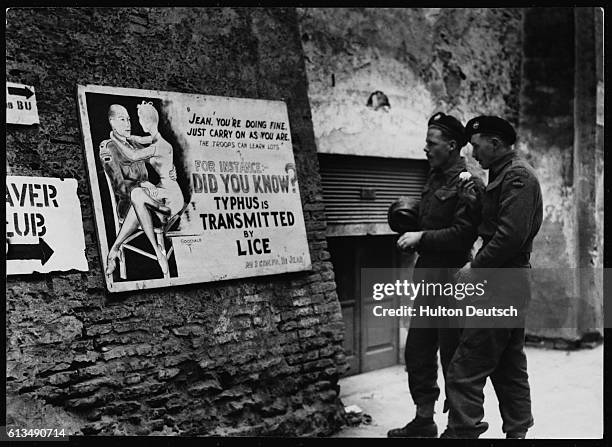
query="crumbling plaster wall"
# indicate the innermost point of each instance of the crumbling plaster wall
(560, 307)
(461, 61)
(547, 138)
(512, 62)
(254, 356)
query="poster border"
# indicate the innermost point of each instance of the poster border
(96, 198)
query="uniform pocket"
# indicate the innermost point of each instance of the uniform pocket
(442, 210)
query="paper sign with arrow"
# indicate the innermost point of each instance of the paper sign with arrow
(40, 251)
(44, 228)
(21, 104)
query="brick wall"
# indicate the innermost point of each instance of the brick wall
(256, 356)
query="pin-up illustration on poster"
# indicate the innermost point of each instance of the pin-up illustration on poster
(191, 188)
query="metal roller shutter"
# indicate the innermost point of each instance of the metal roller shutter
(357, 191)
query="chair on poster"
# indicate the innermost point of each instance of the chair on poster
(161, 233)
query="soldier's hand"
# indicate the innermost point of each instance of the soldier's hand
(409, 240)
(464, 275)
(468, 192)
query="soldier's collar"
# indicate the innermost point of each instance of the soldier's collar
(500, 163)
(120, 138)
(452, 170)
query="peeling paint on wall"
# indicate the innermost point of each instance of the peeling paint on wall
(461, 61)
(515, 63)
(547, 127)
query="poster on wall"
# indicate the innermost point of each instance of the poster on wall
(44, 227)
(191, 188)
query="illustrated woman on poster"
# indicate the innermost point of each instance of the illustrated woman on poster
(166, 198)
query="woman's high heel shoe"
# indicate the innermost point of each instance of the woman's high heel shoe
(110, 262)
(162, 260)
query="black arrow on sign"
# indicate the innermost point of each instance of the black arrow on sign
(30, 251)
(19, 91)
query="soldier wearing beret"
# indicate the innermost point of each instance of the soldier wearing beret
(443, 228)
(511, 217)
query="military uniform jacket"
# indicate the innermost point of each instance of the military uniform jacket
(511, 214)
(124, 174)
(449, 225)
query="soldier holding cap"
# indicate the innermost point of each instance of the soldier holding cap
(443, 229)
(511, 217)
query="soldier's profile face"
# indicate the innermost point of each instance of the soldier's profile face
(483, 150)
(120, 123)
(437, 148)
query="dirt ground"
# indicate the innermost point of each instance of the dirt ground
(566, 394)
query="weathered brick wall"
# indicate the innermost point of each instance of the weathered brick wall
(256, 356)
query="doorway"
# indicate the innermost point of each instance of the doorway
(368, 346)
(357, 192)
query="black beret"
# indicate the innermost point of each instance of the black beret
(403, 215)
(449, 125)
(491, 125)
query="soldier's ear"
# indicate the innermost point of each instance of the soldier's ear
(496, 142)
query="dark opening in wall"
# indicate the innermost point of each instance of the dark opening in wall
(378, 100)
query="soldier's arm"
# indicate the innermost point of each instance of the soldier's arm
(462, 232)
(112, 169)
(515, 214)
(145, 141)
(134, 154)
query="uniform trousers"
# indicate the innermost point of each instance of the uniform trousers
(488, 352)
(427, 335)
